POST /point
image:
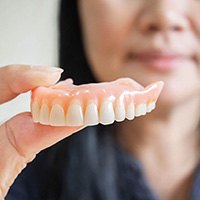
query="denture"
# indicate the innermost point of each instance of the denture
(66, 104)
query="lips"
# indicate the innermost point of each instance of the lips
(163, 61)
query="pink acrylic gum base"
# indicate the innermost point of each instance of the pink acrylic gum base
(65, 92)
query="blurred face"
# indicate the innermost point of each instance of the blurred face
(145, 40)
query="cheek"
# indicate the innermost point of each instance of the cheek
(104, 37)
(194, 9)
(106, 28)
(104, 49)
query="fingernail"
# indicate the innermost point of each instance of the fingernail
(47, 69)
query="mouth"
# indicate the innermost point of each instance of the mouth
(163, 61)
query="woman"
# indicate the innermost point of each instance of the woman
(152, 157)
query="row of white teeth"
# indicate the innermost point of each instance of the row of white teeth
(92, 116)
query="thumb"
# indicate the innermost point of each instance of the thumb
(29, 138)
(20, 141)
(16, 79)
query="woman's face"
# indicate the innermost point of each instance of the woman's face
(145, 40)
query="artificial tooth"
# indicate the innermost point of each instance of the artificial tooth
(74, 114)
(130, 111)
(106, 113)
(141, 109)
(44, 114)
(57, 116)
(91, 114)
(35, 111)
(119, 111)
(151, 106)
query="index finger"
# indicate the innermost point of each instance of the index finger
(17, 79)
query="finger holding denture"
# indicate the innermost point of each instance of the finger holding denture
(66, 104)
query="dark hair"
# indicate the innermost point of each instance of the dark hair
(89, 170)
(72, 55)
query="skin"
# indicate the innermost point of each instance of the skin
(166, 141)
(20, 138)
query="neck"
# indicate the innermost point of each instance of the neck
(167, 144)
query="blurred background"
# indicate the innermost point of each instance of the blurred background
(27, 36)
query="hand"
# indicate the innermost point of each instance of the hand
(20, 138)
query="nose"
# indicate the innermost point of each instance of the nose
(162, 17)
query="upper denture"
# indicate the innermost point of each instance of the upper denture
(90, 104)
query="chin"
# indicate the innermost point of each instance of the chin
(176, 97)
(168, 101)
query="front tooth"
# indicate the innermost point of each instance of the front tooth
(151, 106)
(130, 111)
(91, 114)
(141, 109)
(35, 111)
(74, 114)
(120, 111)
(57, 116)
(106, 113)
(44, 114)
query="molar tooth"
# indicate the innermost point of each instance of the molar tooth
(130, 111)
(57, 116)
(120, 111)
(44, 114)
(151, 106)
(141, 109)
(106, 113)
(74, 114)
(35, 111)
(91, 114)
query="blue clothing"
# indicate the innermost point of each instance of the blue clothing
(32, 183)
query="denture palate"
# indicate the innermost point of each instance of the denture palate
(66, 104)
